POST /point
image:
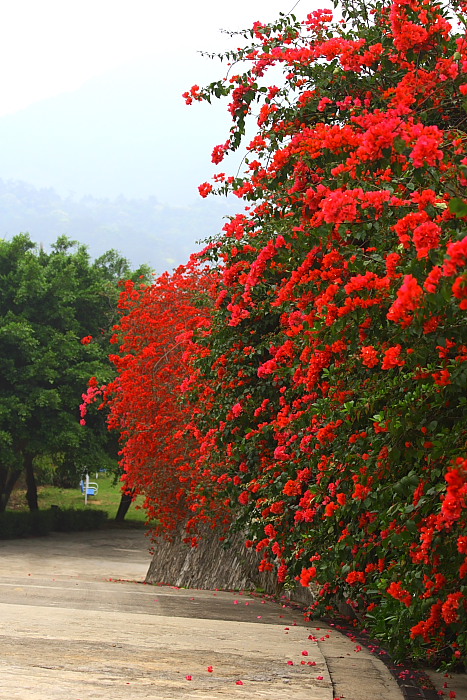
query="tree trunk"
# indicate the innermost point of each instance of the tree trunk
(7, 487)
(31, 486)
(125, 503)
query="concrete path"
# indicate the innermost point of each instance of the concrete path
(78, 623)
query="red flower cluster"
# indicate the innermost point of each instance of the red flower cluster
(312, 383)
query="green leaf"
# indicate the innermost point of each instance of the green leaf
(458, 207)
(399, 144)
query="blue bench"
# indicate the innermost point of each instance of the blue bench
(92, 490)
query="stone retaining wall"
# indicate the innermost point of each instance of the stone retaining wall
(214, 565)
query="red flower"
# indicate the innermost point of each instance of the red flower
(398, 592)
(293, 488)
(356, 577)
(307, 575)
(432, 281)
(331, 509)
(361, 492)
(340, 206)
(450, 607)
(408, 300)
(392, 358)
(426, 237)
(219, 152)
(244, 498)
(205, 189)
(442, 378)
(370, 356)
(237, 410)
(426, 151)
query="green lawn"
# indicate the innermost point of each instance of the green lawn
(107, 498)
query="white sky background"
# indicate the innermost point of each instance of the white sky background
(54, 46)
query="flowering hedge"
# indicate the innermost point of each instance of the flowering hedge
(325, 399)
(154, 337)
(338, 347)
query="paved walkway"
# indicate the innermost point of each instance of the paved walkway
(77, 623)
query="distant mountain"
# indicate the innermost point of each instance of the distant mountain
(126, 132)
(143, 230)
(116, 164)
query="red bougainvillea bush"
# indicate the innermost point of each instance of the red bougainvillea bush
(336, 362)
(311, 379)
(154, 338)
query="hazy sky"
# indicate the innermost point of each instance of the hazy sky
(51, 46)
(90, 92)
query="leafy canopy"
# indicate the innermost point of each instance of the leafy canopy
(48, 303)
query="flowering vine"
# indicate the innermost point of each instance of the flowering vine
(323, 384)
(338, 342)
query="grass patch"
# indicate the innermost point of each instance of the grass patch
(107, 499)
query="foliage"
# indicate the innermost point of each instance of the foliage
(76, 519)
(154, 337)
(338, 348)
(107, 499)
(14, 524)
(49, 302)
(326, 398)
(17, 524)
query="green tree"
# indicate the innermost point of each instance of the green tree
(49, 302)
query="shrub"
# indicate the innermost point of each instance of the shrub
(16, 524)
(76, 519)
